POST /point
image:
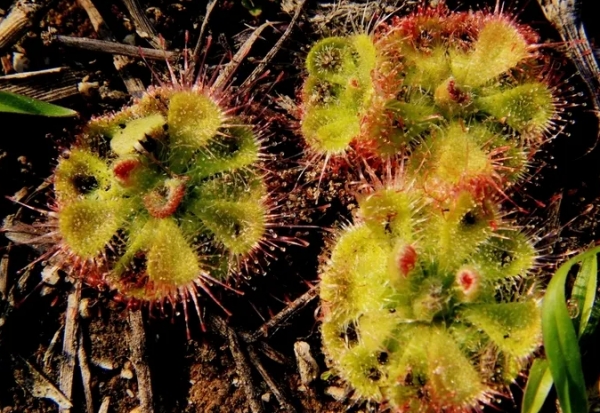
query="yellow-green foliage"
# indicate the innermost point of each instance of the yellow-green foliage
(461, 92)
(415, 294)
(174, 194)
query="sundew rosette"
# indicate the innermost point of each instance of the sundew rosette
(429, 307)
(165, 197)
(466, 94)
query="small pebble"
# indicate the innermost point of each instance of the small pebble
(266, 397)
(104, 364)
(127, 373)
(129, 39)
(84, 308)
(50, 275)
(336, 393)
(307, 365)
(20, 62)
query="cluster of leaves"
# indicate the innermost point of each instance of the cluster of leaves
(417, 302)
(459, 99)
(463, 92)
(162, 195)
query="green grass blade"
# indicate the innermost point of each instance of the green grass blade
(560, 340)
(538, 386)
(14, 103)
(584, 294)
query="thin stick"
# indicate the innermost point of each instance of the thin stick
(27, 75)
(284, 314)
(231, 67)
(283, 402)
(258, 70)
(564, 16)
(133, 85)
(21, 16)
(43, 84)
(103, 46)
(86, 375)
(67, 367)
(137, 353)
(198, 49)
(143, 26)
(50, 350)
(4, 274)
(241, 364)
(105, 405)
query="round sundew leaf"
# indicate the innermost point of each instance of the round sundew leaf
(321, 93)
(193, 119)
(233, 149)
(330, 130)
(451, 377)
(514, 327)
(527, 108)
(508, 255)
(158, 254)
(333, 59)
(367, 55)
(170, 258)
(88, 225)
(239, 226)
(82, 174)
(499, 48)
(428, 70)
(458, 156)
(451, 236)
(233, 210)
(124, 141)
(356, 278)
(359, 366)
(388, 211)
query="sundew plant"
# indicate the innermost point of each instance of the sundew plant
(428, 300)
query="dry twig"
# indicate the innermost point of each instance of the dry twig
(103, 46)
(86, 375)
(21, 16)
(229, 69)
(42, 84)
(4, 275)
(265, 61)
(281, 398)
(143, 26)
(70, 343)
(564, 15)
(49, 353)
(241, 363)
(137, 350)
(134, 86)
(198, 49)
(283, 315)
(28, 75)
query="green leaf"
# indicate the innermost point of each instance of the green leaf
(584, 295)
(538, 386)
(14, 103)
(560, 340)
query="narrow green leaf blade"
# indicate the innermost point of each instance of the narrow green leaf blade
(14, 103)
(584, 292)
(560, 340)
(538, 386)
